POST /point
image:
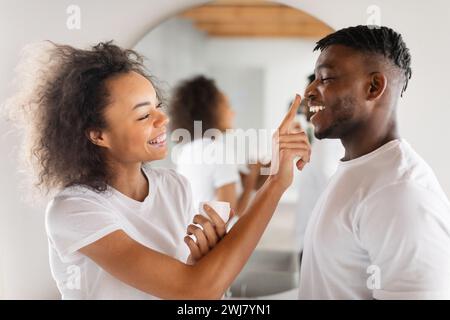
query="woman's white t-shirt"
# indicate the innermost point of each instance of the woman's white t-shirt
(207, 166)
(79, 216)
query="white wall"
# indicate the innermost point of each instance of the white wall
(174, 51)
(244, 87)
(423, 116)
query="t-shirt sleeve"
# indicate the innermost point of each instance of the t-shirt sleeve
(405, 229)
(73, 223)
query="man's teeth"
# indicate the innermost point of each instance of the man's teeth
(158, 139)
(316, 108)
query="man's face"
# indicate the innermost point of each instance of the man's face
(340, 91)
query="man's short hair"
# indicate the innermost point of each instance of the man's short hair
(376, 40)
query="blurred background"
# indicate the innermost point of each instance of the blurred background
(260, 55)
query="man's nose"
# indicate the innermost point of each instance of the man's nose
(310, 91)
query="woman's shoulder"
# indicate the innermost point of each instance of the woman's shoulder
(83, 193)
(77, 211)
(77, 198)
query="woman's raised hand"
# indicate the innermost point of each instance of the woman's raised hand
(288, 144)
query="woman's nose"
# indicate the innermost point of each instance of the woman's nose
(161, 120)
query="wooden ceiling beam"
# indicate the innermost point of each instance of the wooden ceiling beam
(264, 30)
(251, 13)
(265, 3)
(255, 18)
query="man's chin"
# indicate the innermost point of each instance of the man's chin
(321, 134)
(331, 132)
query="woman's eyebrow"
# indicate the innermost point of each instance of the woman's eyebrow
(142, 104)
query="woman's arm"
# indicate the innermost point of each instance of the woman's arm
(143, 268)
(166, 277)
(249, 184)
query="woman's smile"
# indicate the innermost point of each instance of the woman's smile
(159, 141)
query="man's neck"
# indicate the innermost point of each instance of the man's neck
(367, 138)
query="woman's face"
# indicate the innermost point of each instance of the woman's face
(136, 127)
(225, 113)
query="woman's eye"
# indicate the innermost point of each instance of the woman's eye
(148, 115)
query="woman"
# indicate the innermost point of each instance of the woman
(115, 227)
(199, 99)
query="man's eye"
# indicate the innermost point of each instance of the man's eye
(326, 80)
(145, 117)
(160, 105)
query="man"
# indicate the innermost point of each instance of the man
(381, 228)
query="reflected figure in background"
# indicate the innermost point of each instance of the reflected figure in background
(199, 100)
(326, 154)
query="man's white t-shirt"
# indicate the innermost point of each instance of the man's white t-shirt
(79, 216)
(204, 163)
(313, 180)
(381, 230)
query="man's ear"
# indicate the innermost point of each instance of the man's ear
(377, 85)
(97, 137)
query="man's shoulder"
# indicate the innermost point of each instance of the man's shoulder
(400, 166)
(412, 170)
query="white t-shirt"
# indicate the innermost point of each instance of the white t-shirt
(313, 180)
(204, 163)
(78, 216)
(380, 230)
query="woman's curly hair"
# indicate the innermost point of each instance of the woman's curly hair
(195, 99)
(62, 95)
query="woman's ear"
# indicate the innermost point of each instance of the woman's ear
(377, 86)
(97, 137)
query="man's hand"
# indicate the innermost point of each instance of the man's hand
(214, 229)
